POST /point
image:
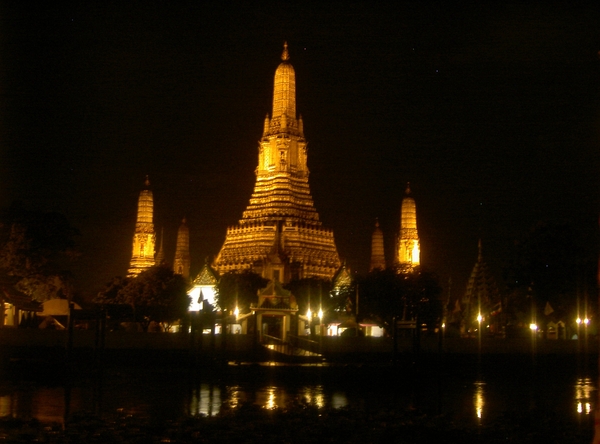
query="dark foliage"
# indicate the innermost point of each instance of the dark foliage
(387, 294)
(157, 294)
(35, 251)
(254, 424)
(314, 293)
(239, 289)
(548, 266)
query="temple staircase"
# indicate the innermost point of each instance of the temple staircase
(295, 349)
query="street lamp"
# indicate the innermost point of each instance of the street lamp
(320, 314)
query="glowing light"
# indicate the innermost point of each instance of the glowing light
(479, 318)
(314, 396)
(235, 396)
(270, 404)
(320, 314)
(479, 399)
(206, 400)
(339, 400)
(584, 389)
(416, 254)
(309, 314)
(281, 188)
(236, 312)
(533, 327)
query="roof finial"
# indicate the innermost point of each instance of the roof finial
(147, 181)
(407, 188)
(286, 55)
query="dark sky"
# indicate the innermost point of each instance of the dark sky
(490, 111)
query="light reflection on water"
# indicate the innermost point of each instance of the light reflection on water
(158, 396)
(479, 399)
(584, 396)
(206, 400)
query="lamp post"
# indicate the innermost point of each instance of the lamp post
(479, 319)
(320, 314)
(309, 316)
(586, 322)
(533, 327)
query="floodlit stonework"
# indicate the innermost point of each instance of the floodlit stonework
(377, 250)
(409, 248)
(280, 235)
(181, 262)
(144, 237)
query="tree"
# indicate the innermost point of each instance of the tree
(35, 250)
(390, 293)
(548, 266)
(239, 289)
(156, 294)
(313, 293)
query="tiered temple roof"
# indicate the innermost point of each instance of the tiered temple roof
(181, 262)
(482, 294)
(409, 248)
(377, 250)
(280, 235)
(144, 237)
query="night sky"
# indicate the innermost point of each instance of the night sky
(489, 111)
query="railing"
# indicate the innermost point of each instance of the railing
(295, 346)
(304, 343)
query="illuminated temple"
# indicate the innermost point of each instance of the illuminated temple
(280, 235)
(409, 249)
(144, 237)
(377, 250)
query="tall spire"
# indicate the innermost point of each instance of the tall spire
(281, 210)
(377, 250)
(181, 263)
(284, 92)
(481, 297)
(285, 55)
(409, 249)
(144, 237)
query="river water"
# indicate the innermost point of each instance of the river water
(469, 391)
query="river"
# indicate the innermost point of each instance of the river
(469, 391)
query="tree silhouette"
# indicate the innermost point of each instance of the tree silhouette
(391, 293)
(547, 267)
(156, 294)
(35, 250)
(239, 289)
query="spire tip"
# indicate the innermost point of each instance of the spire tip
(286, 55)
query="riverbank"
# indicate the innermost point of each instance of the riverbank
(253, 424)
(55, 347)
